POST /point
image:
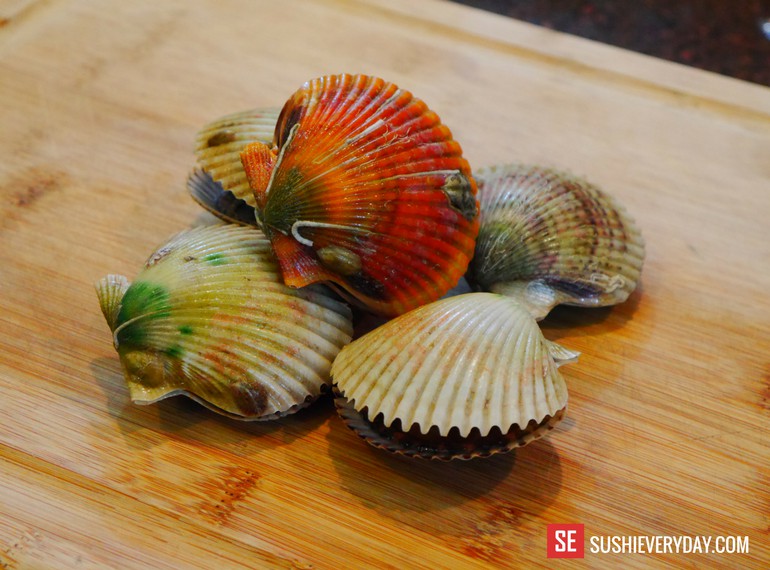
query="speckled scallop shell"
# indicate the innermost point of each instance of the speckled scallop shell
(219, 183)
(463, 377)
(549, 238)
(209, 317)
(367, 190)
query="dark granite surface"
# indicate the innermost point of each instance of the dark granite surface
(731, 37)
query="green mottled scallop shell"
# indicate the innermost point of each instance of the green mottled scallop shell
(550, 238)
(209, 317)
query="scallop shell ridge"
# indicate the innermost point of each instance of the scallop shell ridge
(451, 448)
(210, 195)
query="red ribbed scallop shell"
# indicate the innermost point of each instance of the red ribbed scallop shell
(369, 191)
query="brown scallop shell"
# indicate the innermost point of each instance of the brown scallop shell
(548, 237)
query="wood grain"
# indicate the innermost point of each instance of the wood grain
(669, 404)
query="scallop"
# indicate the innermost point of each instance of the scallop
(463, 377)
(364, 187)
(209, 317)
(548, 238)
(219, 182)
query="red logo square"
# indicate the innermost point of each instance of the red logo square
(565, 540)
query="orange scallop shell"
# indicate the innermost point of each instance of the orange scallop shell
(367, 190)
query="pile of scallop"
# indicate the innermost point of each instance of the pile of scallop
(353, 206)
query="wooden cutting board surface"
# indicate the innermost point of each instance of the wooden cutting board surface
(669, 403)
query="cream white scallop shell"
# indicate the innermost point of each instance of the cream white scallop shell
(473, 361)
(548, 237)
(220, 184)
(209, 317)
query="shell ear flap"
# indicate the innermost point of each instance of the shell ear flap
(258, 161)
(110, 290)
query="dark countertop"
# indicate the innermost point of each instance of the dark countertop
(727, 37)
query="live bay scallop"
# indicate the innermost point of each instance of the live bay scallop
(364, 187)
(548, 238)
(219, 182)
(463, 377)
(209, 317)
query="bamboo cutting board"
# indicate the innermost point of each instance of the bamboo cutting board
(669, 403)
